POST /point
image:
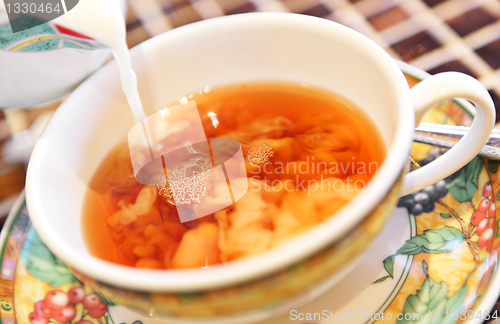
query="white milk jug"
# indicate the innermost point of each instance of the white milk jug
(45, 62)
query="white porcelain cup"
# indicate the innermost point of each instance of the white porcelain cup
(227, 50)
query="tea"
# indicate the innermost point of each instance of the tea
(307, 153)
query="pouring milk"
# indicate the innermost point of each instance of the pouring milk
(104, 22)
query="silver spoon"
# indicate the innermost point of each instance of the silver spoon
(447, 136)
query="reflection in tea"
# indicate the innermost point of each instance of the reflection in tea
(307, 153)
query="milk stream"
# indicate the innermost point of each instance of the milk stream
(104, 21)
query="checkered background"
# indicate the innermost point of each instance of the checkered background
(434, 35)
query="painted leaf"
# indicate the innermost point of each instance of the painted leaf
(381, 279)
(444, 215)
(425, 267)
(104, 299)
(428, 305)
(418, 306)
(42, 264)
(465, 185)
(454, 305)
(389, 265)
(441, 240)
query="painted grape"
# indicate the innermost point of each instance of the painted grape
(423, 200)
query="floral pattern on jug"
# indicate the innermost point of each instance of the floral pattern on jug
(42, 37)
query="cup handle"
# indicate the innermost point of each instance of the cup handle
(428, 94)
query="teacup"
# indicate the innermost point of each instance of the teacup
(247, 47)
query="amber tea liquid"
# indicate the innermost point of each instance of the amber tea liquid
(325, 150)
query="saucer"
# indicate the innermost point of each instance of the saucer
(428, 264)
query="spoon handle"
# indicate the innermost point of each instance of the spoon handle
(447, 136)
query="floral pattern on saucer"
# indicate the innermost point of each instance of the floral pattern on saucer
(456, 247)
(37, 288)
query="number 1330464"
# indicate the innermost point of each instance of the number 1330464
(33, 8)
(471, 314)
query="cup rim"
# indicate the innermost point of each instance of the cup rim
(263, 263)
